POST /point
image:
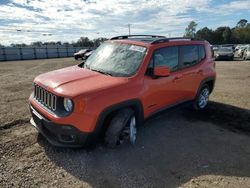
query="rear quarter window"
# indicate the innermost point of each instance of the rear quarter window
(190, 55)
(202, 53)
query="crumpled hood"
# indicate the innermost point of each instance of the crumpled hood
(73, 81)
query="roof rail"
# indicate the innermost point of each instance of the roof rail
(131, 36)
(174, 38)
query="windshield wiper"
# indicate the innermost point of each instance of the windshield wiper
(102, 72)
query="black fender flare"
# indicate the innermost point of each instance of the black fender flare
(134, 103)
(204, 81)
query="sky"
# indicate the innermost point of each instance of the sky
(26, 21)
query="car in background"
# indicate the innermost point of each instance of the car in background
(88, 54)
(215, 48)
(224, 53)
(239, 50)
(246, 54)
(229, 46)
(81, 54)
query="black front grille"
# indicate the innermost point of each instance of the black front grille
(45, 98)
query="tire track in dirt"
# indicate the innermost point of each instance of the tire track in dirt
(14, 123)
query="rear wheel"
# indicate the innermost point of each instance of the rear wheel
(202, 98)
(122, 128)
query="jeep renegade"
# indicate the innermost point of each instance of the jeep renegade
(126, 80)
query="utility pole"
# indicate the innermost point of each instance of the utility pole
(129, 29)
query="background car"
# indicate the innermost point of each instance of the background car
(246, 54)
(239, 50)
(215, 48)
(224, 53)
(81, 54)
(86, 56)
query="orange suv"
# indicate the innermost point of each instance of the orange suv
(126, 80)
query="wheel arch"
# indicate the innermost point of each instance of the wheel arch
(108, 112)
(210, 81)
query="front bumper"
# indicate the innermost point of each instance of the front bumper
(57, 134)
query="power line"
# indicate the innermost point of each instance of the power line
(26, 31)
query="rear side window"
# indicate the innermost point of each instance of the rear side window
(168, 56)
(190, 55)
(202, 53)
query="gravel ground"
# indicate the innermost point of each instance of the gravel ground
(176, 148)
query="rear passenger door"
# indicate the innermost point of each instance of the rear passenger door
(191, 59)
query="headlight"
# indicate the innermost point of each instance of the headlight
(68, 104)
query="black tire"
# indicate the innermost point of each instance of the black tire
(196, 104)
(117, 124)
(76, 57)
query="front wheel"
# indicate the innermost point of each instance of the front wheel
(202, 98)
(122, 128)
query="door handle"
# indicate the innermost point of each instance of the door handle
(177, 78)
(199, 71)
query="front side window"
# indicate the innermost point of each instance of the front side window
(190, 55)
(168, 56)
(116, 59)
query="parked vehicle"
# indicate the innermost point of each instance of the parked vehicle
(246, 54)
(239, 51)
(215, 48)
(88, 54)
(229, 46)
(126, 80)
(224, 53)
(81, 54)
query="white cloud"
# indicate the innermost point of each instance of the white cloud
(67, 20)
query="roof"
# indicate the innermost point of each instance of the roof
(152, 39)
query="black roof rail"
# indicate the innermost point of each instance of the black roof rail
(131, 36)
(174, 38)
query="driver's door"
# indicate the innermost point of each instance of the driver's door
(162, 92)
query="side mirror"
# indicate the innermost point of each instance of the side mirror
(161, 71)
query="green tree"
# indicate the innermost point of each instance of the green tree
(18, 45)
(240, 34)
(37, 44)
(98, 41)
(226, 35)
(84, 41)
(205, 34)
(191, 29)
(67, 44)
(242, 23)
(59, 43)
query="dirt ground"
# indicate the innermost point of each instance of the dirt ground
(176, 148)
